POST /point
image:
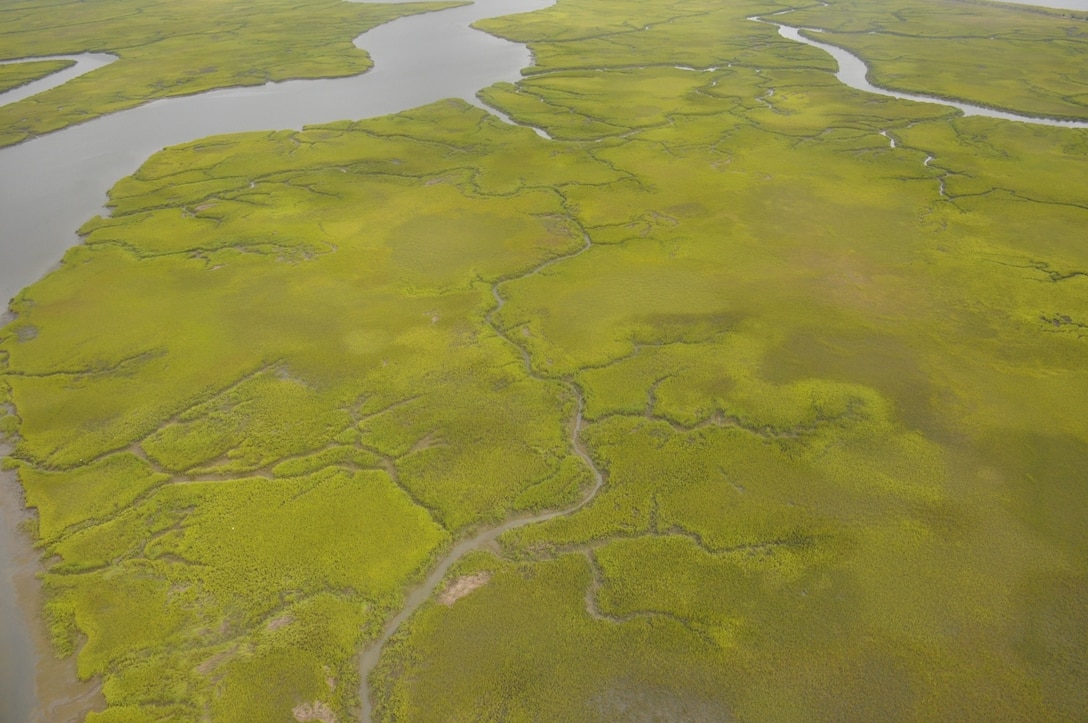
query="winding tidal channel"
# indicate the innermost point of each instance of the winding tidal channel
(51, 185)
(855, 73)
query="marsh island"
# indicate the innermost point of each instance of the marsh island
(676, 380)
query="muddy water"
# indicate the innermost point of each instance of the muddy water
(16, 647)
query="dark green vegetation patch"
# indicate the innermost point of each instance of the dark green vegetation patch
(836, 387)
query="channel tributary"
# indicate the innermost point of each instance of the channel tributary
(854, 72)
(417, 60)
(82, 64)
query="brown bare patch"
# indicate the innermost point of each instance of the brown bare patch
(215, 661)
(463, 586)
(314, 711)
(277, 623)
(440, 179)
(426, 442)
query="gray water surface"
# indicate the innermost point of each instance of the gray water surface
(1053, 4)
(16, 646)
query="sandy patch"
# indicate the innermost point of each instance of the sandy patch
(277, 623)
(463, 586)
(314, 711)
(215, 661)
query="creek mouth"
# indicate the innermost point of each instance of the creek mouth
(83, 63)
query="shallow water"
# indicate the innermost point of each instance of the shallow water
(1055, 4)
(26, 663)
(16, 647)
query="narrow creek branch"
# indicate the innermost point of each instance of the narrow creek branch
(368, 661)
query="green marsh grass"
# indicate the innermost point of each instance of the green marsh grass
(798, 347)
(835, 388)
(346, 414)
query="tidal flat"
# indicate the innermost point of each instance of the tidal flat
(830, 346)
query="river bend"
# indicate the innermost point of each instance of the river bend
(854, 72)
(417, 60)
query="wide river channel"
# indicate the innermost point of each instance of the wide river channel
(51, 185)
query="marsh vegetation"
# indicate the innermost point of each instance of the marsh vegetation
(830, 346)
